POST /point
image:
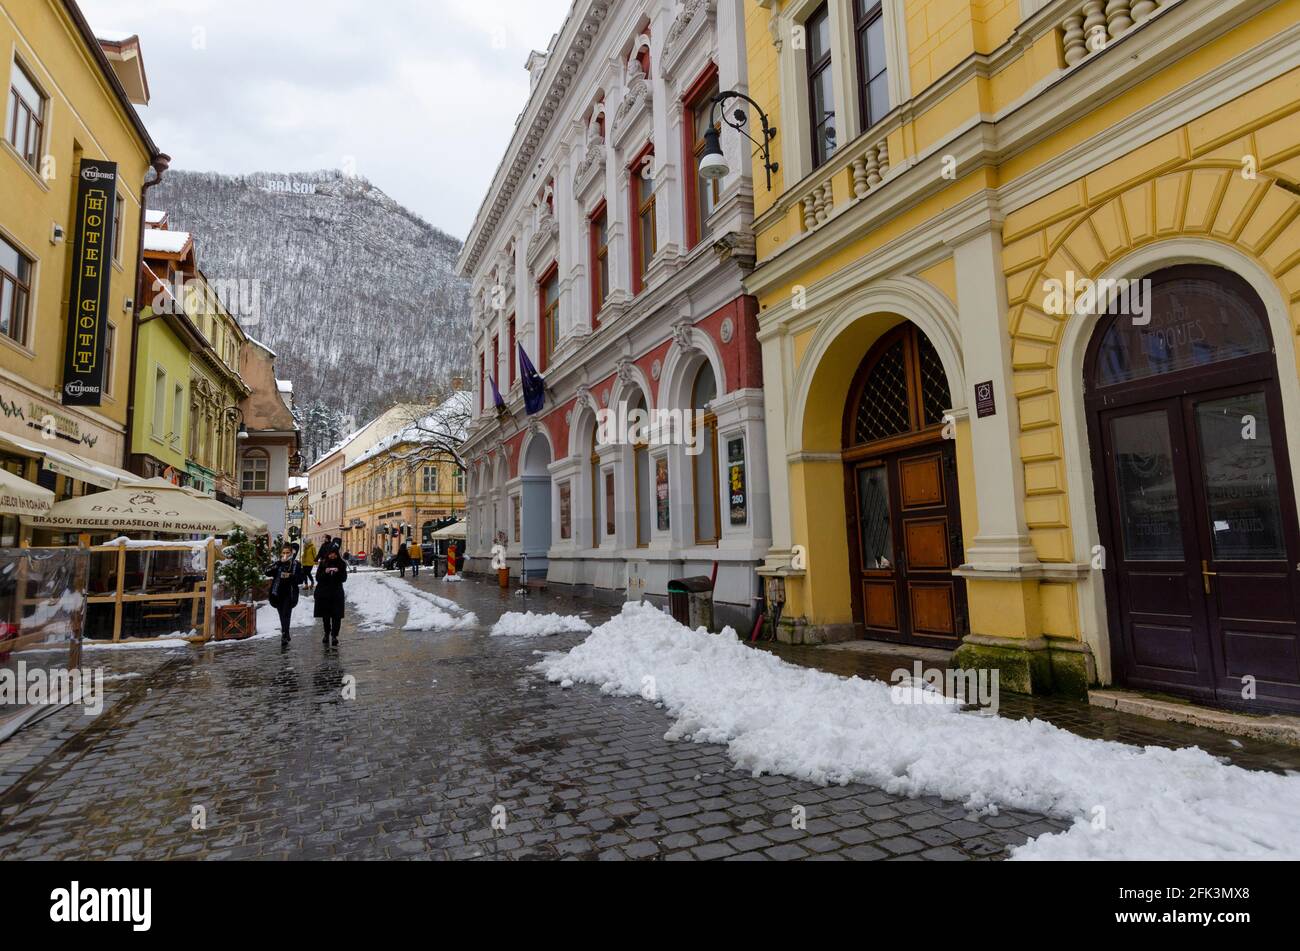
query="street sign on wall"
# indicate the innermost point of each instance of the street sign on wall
(92, 270)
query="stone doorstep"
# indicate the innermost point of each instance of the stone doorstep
(1272, 728)
(932, 655)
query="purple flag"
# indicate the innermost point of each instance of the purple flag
(533, 383)
(496, 394)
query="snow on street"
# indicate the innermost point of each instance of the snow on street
(1125, 802)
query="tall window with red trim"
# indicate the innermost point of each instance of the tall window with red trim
(482, 383)
(645, 236)
(513, 355)
(702, 194)
(549, 299)
(599, 261)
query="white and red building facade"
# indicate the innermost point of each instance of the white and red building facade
(619, 270)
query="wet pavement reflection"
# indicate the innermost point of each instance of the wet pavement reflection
(251, 752)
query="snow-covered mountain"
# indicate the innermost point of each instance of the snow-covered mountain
(354, 293)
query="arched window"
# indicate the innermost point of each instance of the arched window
(705, 464)
(901, 390)
(1195, 317)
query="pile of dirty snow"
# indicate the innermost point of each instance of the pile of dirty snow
(1126, 802)
(514, 624)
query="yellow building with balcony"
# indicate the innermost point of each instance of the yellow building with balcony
(74, 158)
(1029, 277)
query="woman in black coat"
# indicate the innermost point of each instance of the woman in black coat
(286, 575)
(403, 559)
(331, 575)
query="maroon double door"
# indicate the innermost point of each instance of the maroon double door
(1196, 506)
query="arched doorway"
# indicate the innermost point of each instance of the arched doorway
(1196, 507)
(905, 535)
(535, 505)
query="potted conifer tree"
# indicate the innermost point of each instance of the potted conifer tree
(239, 572)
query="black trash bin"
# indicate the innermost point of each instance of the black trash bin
(690, 601)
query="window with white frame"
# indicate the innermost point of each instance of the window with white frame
(430, 480)
(255, 472)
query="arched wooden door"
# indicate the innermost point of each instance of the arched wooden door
(1195, 502)
(904, 529)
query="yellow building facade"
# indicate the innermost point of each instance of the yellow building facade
(69, 100)
(399, 492)
(966, 450)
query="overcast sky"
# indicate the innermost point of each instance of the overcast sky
(421, 94)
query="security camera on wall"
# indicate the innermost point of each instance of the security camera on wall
(57, 233)
(128, 305)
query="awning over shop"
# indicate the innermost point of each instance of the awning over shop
(20, 497)
(64, 462)
(153, 506)
(451, 531)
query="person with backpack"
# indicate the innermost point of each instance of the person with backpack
(309, 563)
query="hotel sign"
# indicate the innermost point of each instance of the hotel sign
(92, 269)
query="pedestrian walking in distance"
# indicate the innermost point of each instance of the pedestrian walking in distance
(403, 559)
(309, 563)
(417, 556)
(286, 575)
(331, 575)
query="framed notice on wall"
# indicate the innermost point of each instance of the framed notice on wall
(92, 269)
(515, 502)
(739, 497)
(661, 493)
(566, 510)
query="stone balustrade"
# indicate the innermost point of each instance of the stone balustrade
(867, 171)
(1095, 23)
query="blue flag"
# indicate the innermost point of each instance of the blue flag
(533, 383)
(496, 394)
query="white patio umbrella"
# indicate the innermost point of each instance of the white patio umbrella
(152, 506)
(20, 497)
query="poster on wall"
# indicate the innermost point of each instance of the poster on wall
(661, 492)
(566, 510)
(736, 481)
(92, 270)
(515, 501)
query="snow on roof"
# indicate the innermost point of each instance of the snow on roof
(446, 421)
(154, 217)
(165, 242)
(257, 343)
(284, 386)
(297, 483)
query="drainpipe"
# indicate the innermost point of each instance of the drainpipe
(161, 163)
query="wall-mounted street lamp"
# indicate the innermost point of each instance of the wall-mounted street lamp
(713, 164)
(235, 413)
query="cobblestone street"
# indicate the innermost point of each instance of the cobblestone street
(261, 744)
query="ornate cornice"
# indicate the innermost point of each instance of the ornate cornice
(569, 55)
